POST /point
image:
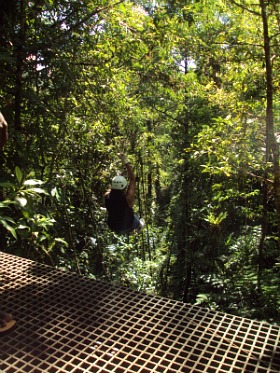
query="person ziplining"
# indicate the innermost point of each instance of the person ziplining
(119, 202)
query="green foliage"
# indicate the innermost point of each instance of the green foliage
(178, 86)
(23, 216)
(235, 286)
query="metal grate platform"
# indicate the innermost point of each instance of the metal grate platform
(67, 323)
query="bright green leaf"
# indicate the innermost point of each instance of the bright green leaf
(19, 174)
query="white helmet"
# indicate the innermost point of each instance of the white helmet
(119, 182)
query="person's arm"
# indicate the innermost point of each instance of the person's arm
(130, 193)
(131, 189)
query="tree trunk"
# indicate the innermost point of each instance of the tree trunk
(271, 142)
(20, 64)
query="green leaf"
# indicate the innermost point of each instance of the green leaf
(61, 240)
(19, 174)
(37, 190)
(6, 184)
(41, 238)
(8, 227)
(6, 204)
(21, 226)
(21, 201)
(33, 182)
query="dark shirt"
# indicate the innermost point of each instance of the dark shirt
(120, 215)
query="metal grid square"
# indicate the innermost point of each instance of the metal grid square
(68, 323)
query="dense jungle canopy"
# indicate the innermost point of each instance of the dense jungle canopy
(189, 90)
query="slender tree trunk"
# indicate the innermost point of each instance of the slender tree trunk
(185, 232)
(271, 142)
(264, 226)
(19, 64)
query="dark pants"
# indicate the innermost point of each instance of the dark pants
(135, 225)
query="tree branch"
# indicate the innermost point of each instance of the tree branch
(245, 8)
(170, 116)
(88, 16)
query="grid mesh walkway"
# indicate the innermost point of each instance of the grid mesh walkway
(68, 323)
